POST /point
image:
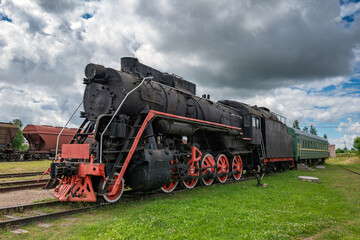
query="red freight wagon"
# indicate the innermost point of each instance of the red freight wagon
(7, 133)
(42, 140)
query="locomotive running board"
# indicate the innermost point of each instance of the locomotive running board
(150, 116)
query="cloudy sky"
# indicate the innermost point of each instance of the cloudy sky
(299, 58)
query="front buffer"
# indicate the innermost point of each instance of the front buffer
(76, 177)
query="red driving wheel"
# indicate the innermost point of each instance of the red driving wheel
(207, 162)
(169, 187)
(222, 167)
(237, 165)
(115, 197)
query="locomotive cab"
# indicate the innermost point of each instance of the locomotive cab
(251, 123)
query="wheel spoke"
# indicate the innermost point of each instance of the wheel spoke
(237, 165)
(207, 162)
(222, 167)
(192, 171)
(170, 186)
(116, 197)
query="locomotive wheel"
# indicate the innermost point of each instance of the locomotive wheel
(26, 156)
(192, 171)
(116, 197)
(222, 167)
(169, 187)
(207, 162)
(237, 165)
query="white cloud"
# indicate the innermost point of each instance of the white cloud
(349, 127)
(44, 108)
(345, 140)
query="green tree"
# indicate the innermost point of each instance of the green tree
(305, 129)
(18, 140)
(313, 130)
(296, 124)
(339, 150)
(357, 144)
(325, 136)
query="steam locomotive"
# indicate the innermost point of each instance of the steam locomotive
(151, 131)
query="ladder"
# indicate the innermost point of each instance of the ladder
(125, 149)
(83, 132)
(261, 153)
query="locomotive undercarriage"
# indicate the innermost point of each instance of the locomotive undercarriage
(154, 152)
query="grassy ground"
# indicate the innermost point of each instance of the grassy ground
(286, 209)
(19, 167)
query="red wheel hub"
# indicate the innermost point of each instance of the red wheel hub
(192, 171)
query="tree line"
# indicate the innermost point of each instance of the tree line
(354, 149)
(312, 129)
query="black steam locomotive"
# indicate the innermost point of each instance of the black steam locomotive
(151, 131)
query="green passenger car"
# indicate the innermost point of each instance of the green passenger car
(308, 148)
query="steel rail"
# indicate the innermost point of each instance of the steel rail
(13, 183)
(19, 208)
(347, 169)
(27, 174)
(22, 187)
(27, 220)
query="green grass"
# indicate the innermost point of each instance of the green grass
(286, 209)
(19, 167)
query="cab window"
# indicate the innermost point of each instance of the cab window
(255, 122)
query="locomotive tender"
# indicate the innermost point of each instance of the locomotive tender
(151, 131)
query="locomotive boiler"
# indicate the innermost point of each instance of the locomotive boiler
(151, 131)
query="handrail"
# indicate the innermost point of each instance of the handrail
(117, 111)
(57, 140)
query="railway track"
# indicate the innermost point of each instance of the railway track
(12, 183)
(14, 175)
(356, 167)
(350, 170)
(21, 185)
(15, 221)
(127, 197)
